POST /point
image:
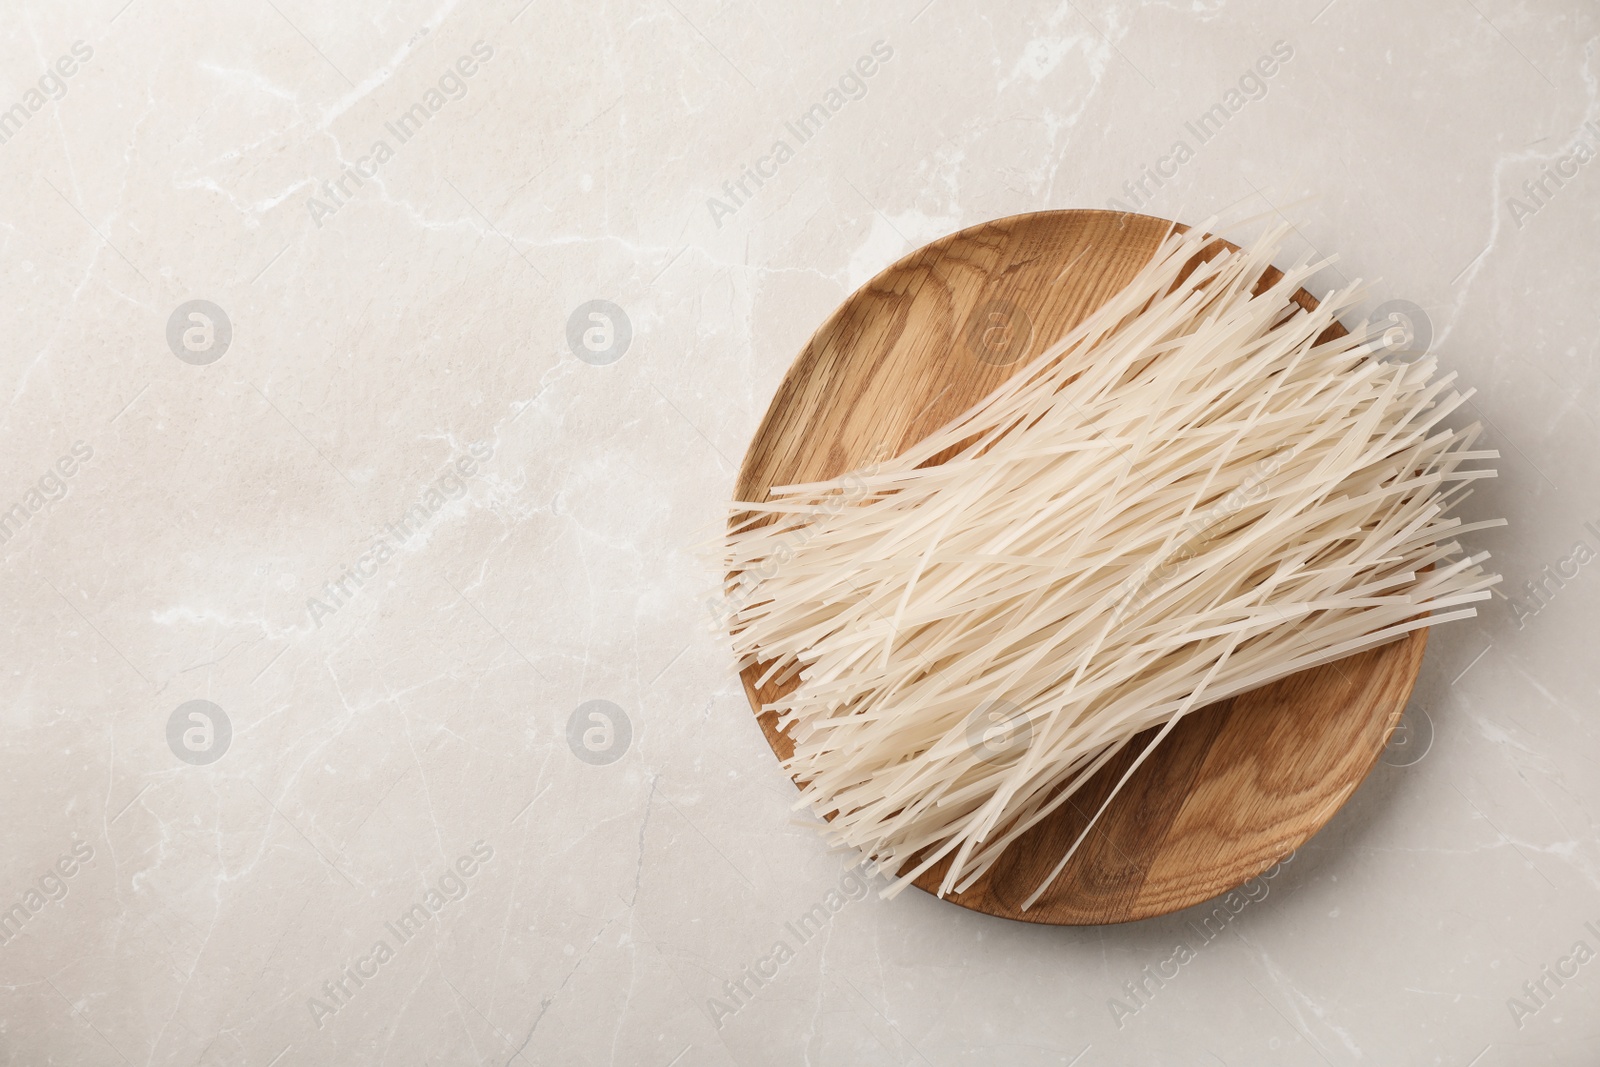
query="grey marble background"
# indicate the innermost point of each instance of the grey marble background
(382, 377)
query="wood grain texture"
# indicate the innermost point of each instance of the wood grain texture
(1236, 786)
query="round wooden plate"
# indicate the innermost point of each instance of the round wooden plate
(1236, 786)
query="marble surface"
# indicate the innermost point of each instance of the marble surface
(374, 373)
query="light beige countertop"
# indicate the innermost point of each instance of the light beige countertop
(375, 379)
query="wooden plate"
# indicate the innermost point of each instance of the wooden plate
(1236, 786)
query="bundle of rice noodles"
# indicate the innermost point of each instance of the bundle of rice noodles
(1184, 498)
